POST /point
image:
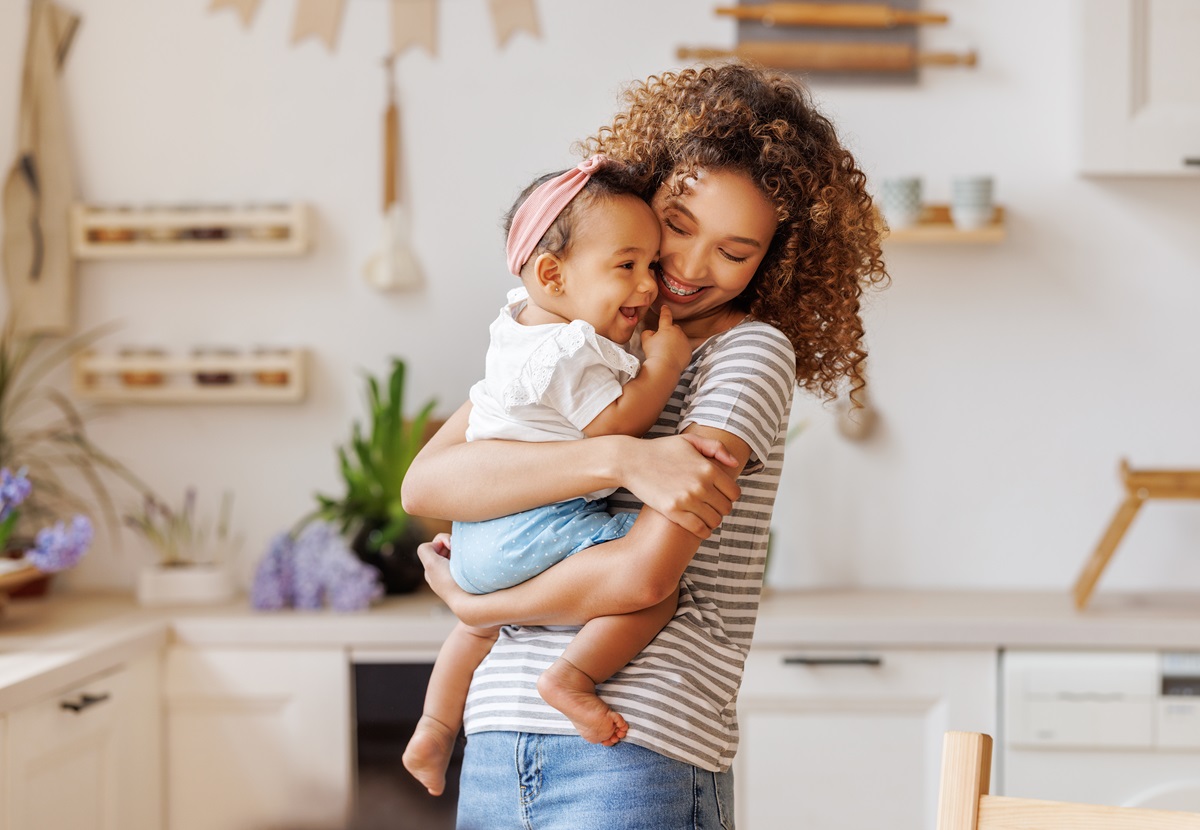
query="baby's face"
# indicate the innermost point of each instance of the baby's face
(610, 276)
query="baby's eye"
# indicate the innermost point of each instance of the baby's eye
(628, 266)
(656, 267)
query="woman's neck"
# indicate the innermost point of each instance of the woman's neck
(718, 321)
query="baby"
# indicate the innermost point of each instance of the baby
(585, 245)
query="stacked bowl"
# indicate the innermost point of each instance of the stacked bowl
(971, 205)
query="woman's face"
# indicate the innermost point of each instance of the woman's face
(714, 235)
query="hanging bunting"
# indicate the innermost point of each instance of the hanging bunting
(318, 18)
(512, 16)
(246, 9)
(414, 23)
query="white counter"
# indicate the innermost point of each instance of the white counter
(47, 644)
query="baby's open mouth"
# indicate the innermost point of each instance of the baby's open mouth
(630, 312)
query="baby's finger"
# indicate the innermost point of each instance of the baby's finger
(665, 318)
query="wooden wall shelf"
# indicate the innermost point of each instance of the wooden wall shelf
(935, 226)
(104, 232)
(144, 379)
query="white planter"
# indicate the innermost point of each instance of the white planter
(184, 585)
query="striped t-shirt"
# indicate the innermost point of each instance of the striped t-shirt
(679, 695)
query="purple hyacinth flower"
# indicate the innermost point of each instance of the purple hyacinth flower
(61, 546)
(272, 587)
(14, 489)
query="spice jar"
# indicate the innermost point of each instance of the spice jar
(272, 377)
(142, 376)
(216, 375)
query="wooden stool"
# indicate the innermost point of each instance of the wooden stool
(1140, 485)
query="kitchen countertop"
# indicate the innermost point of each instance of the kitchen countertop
(49, 644)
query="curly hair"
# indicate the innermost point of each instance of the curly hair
(826, 248)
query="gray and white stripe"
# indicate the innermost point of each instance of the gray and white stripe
(679, 695)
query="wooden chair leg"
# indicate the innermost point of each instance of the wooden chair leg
(1104, 551)
(966, 772)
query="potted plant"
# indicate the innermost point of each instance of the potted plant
(192, 558)
(373, 466)
(43, 437)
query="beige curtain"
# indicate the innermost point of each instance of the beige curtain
(40, 186)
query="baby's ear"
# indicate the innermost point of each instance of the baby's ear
(548, 274)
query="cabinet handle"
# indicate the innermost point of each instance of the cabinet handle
(873, 662)
(85, 700)
(1191, 161)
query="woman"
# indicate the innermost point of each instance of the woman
(768, 240)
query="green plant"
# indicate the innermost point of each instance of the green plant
(43, 432)
(373, 465)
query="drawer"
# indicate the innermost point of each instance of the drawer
(868, 673)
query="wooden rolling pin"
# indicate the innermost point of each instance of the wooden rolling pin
(865, 16)
(864, 57)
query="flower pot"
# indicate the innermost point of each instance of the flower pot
(399, 568)
(184, 585)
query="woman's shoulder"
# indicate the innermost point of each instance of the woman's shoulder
(752, 340)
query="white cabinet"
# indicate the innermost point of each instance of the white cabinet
(849, 740)
(88, 756)
(258, 738)
(1141, 87)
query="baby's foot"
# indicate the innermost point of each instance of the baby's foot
(573, 693)
(428, 753)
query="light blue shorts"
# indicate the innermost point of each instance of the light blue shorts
(519, 781)
(500, 553)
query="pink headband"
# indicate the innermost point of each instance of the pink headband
(538, 212)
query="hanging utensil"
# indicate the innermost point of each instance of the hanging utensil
(394, 266)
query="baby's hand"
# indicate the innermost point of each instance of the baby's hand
(668, 343)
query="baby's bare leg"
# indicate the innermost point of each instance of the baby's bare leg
(428, 752)
(600, 648)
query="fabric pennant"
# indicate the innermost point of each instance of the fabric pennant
(414, 23)
(318, 18)
(246, 9)
(512, 16)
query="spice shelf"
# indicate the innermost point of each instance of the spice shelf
(936, 226)
(274, 378)
(180, 232)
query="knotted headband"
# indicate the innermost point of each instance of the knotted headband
(538, 212)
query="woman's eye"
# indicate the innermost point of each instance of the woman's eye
(672, 226)
(732, 258)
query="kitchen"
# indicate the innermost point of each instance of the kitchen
(1009, 378)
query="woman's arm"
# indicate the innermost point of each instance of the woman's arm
(686, 478)
(618, 577)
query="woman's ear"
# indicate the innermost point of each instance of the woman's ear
(548, 273)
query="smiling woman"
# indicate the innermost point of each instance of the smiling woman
(768, 240)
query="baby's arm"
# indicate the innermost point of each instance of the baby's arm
(643, 398)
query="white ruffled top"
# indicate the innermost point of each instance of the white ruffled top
(545, 382)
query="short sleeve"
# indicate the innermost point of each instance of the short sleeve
(575, 372)
(743, 385)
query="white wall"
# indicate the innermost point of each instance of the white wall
(1010, 378)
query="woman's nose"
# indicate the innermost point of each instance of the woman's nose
(688, 264)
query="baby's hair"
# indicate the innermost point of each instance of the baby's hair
(826, 247)
(610, 180)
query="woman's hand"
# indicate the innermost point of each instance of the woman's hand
(688, 478)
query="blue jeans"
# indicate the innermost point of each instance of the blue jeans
(523, 781)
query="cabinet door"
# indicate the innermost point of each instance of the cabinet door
(257, 738)
(140, 779)
(1141, 86)
(63, 755)
(853, 741)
